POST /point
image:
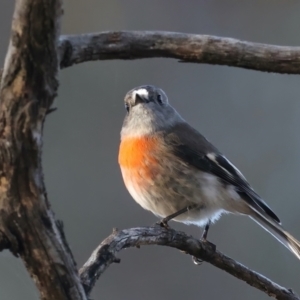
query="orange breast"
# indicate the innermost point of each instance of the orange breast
(138, 152)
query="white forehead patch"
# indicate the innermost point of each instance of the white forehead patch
(142, 92)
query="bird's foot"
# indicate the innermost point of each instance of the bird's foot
(197, 261)
(163, 224)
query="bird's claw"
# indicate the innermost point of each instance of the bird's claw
(197, 261)
(162, 224)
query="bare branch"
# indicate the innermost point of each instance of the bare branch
(104, 255)
(28, 87)
(191, 48)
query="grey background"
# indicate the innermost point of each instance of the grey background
(252, 117)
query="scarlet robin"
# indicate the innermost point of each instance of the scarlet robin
(170, 169)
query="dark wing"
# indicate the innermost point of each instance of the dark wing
(192, 148)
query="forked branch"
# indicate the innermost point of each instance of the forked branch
(105, 254)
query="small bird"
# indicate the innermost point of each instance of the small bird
(170, 169)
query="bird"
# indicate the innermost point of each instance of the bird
(173, 171)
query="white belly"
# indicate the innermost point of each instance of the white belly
(205, 190)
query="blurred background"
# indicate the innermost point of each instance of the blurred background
(252, 117)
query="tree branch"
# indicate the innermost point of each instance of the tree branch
(28, 87)
(191, 48)
(104, 256)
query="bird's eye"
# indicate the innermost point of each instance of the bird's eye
(127, 107)
(159, 99)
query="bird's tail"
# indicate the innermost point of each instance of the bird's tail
(278, 232)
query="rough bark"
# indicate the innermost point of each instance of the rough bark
(193, 48)
(105, 254)
(29, 85)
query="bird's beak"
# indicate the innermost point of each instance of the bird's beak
(140, 99)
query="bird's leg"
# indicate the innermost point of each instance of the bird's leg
(164, 221)
(205, 231)
(196, 260)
